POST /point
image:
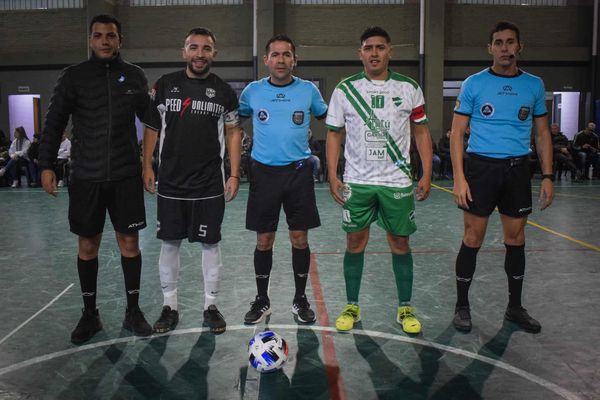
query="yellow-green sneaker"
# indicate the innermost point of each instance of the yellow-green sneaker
(350, 314)
(406, 318)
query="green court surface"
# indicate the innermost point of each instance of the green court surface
(41, 304)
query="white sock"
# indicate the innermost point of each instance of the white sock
(211, 269)
(168, 266)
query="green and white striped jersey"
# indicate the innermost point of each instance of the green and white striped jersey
(377, 117)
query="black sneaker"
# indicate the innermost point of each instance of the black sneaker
(462, 318)
(135, 322)
(167, 321)
(519, 316)
(214, 319)
(260, 308)
(89, 324)
(301, 309)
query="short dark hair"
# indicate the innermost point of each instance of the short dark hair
(106, 19)
(374, 31)
(280, 38)
(502, 26)
(202, 31)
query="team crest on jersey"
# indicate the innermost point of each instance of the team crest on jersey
(210, 93)
(263, 115)
(524, 113)
(487, 110)
(298, 117)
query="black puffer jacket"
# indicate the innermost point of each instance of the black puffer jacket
(103, 98)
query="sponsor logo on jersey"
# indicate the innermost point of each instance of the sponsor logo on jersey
(210, 93)
(507, 91)
(175, 89)
(487, 110)
(280, 97)
(524, 113)
(195, 106)
(376, 153)
(136, 224)
(378, 129)
(263, 115)
(298, 117)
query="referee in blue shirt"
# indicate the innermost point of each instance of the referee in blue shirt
(500, 104)
(281, 106)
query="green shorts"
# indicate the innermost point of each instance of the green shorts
(393, 208)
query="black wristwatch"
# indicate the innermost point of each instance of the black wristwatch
(548, 176)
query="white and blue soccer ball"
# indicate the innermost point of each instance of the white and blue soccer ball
(267, 351)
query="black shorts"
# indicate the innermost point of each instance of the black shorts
(196, 220)
(89, 201)
(502, 183)
(273, 186)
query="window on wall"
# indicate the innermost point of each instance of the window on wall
(552, 3)
(163, 3)
(14, 5)
(345, 2)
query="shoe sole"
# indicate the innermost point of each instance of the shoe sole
(536, 330)
(462, 328)
(294, 312)
(163, 330)
(261, 319)
(217, 330)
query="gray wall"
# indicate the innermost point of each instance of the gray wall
(557, 42)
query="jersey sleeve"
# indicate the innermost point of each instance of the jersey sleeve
(152, 116)
(417, 114)
(318, 107)
(335, 113)
(232, 117)
(464, 103)
(245, 110)
(539, 109)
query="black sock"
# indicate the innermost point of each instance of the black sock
(263, 262)
(88, 276)
(465, 268)
(514, 265)
(301, 265)
(132, 270)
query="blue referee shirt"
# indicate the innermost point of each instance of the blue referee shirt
(281, 119)
(502, 109)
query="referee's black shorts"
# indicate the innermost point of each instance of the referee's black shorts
(504, 183)
(123, 199)
(273, 186)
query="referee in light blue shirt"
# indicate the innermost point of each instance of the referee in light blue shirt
(281, 106)
(500, 104)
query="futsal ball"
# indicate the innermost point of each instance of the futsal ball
(267, 351)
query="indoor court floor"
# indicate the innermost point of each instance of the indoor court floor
(41, 304)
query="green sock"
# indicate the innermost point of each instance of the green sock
(353, 268)
(403, 271)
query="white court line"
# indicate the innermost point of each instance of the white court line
(35, 315)
(562, 392)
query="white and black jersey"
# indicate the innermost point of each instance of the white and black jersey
(190, 116)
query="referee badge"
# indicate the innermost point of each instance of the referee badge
(524, 113)
(487, 110)
(298, 117)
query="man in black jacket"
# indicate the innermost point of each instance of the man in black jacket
(102, 96)
(562, 155)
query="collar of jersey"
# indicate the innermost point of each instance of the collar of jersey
(294, 79)
(389, 76)
(519, 73)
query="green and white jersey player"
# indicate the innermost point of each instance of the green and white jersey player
(377, 109)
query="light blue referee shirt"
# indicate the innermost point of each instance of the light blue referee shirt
(502, 109)
(281, 119)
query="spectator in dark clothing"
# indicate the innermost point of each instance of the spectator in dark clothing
(444, 153)
(561, 154)
(33, 153)
(585, 145)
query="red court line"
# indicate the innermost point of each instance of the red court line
(336, 384)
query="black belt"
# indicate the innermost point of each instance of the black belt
(293, 165)
(511, 161)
